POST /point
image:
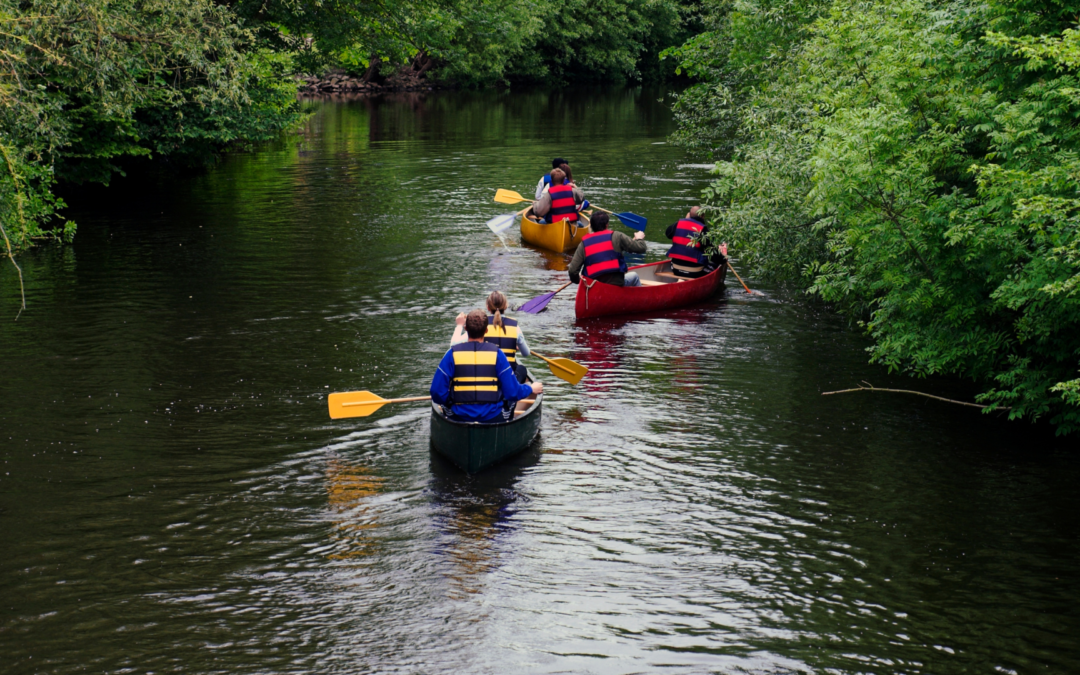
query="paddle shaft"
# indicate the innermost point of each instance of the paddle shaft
(561, 287)
(552, 363)
(738, 277)
(386, 400)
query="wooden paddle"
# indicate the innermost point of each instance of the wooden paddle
(361, 403)
(565, 369)
(738, 277)
(723, 252)
(537, 304)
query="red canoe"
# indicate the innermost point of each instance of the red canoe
(660, 289)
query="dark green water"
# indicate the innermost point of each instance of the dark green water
(173, 497)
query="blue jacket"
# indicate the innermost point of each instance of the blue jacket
(512, 390)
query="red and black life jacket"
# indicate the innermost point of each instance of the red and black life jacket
(505, 339)
(476, 379)
(563, 206)
(684, 249)
(601, 256)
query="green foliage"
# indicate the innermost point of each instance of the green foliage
(84, 85)
(916, 166)
(490, 41)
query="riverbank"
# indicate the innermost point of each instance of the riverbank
(340, 82)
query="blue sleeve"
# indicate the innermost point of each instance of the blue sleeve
(511, 388)
(440, 384)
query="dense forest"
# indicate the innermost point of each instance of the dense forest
(912, 164)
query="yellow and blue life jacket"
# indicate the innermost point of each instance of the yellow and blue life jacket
(476, 379)
(505, 339)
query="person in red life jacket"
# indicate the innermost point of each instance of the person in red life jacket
(687, 251)
(599, 255)
(474, 382)
(560, 202)
(545, 180)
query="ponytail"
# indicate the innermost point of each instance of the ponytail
(496, 303)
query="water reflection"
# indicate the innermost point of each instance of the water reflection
(552, 261)
(474, 513)
(350, 488)
(598, 344)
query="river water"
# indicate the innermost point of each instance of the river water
(174, 498)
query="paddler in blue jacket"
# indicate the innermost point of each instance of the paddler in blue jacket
(475, 382)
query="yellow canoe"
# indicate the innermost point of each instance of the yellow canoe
(559, 237)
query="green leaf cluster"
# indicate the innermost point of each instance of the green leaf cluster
(916, 165)
(483, 42)
(84, 85)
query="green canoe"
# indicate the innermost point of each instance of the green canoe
(474, 447)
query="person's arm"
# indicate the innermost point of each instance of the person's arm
(522, 345)
(670, 231)
(576, 263)
(440, 384)
(622, 243)
(459, 333)
(543, 205)
(511, 388)
(579, 195)
(540, 187)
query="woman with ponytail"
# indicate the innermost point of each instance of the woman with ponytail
(502, 331)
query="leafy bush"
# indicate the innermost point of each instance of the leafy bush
(916, 166)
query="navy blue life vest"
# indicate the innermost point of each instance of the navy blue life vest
(600, 255)
(563, 205)
(684, 249)
(505, 339)
(476, 379)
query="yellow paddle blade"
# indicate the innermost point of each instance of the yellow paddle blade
(565, 369)
(509, 197)
(354, 404)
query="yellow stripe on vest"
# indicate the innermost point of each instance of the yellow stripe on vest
(507, 331)
(464, 358)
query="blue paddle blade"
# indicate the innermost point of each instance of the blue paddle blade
(500, 223)
(633, 221)
(537, 304)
